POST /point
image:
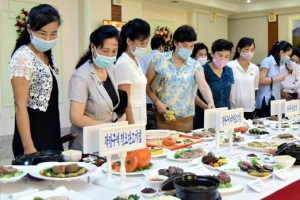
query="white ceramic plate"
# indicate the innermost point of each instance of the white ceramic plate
(36, 172)
(171, 155)
(262, 149)
(236, 186)
(239, 172)
(274, 138)
(104, 168)
(13, 179)
(203, 138)
(165, 152)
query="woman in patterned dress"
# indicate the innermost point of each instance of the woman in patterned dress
(182, 75)
(33, 74)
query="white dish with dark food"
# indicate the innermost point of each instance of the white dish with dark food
(60, 171)
(227, 184)
(157, 152)
(256, 132)
(10, 173)
(186, 154)
(214, 162)
(285, 137)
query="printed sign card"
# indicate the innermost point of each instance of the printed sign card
(291, 108)
(258, 185)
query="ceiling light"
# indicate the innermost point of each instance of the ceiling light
(248, 1)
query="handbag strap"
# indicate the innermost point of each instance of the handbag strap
(271, 85)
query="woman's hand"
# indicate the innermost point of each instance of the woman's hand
(286, 95)
(281, 77)
(210, 106)
(161, 107)
(29, 150)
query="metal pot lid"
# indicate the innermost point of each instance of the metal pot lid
(168, 184)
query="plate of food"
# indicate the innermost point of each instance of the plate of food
(257, 132)
(186, 154)
(157, 152)
(227, 184)
(10, 173)
(260, 145)
(214, 162)
(173, 142)
(204, 134)
(59, 171)
(285, 137)
(116, 165)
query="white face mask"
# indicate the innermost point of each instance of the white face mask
(139, 51)
(291, 65)
(202, 61)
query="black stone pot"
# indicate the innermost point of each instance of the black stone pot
(196, 187)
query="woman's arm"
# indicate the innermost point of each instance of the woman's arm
(128, 110)
(21, 89)
(265, 80)
(200, 103)
(204, 89)
(77, 116)
(160, 106)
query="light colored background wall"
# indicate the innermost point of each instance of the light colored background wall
(81, 17)
(209, 31)
(238, 28)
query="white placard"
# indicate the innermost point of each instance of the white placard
(200, 170)
(278, 107)
(90, 136)
(210, 116)
(291, 108)
(230, 119)
(282, 174)
(120, 139)
(258, 185)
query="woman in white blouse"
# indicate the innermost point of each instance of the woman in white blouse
(246, 77)
(33, 74)
(130, 78)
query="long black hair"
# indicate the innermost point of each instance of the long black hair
(199, 46)
(136, 29)
(277, 47)
(243, 42)
(97, 37)
(38, 17)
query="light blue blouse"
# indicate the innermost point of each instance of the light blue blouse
(265, 90)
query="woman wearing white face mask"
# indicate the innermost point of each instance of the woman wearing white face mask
(219, 78)
(290, 88)
(33, 74)
(93, 90)
(246, 77)
(130, 77)
(201, 54)
(182, 75)
(270, 77)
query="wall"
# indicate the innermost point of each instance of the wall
(208, 31)
(66, 53)
(131, 10)
(284, 24)
(254, 27)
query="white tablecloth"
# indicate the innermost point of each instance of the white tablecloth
(96, 192)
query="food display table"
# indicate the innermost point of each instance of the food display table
(86, 187)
